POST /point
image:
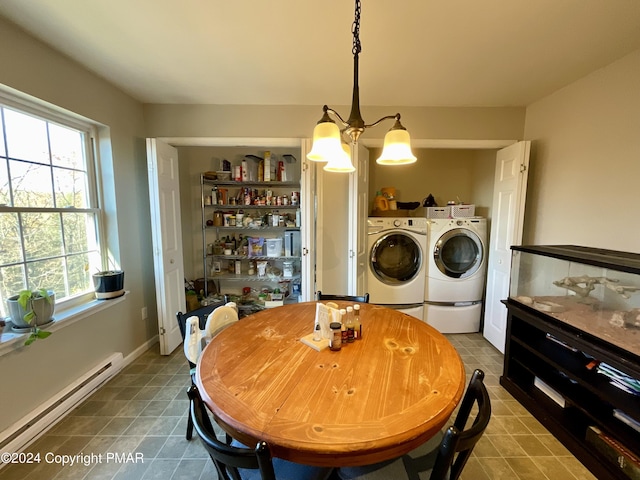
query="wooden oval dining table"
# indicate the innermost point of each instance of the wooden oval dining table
(375, 399)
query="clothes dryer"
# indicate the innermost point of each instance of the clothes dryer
(396, 270)
(456, 270)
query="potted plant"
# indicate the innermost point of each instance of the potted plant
(108, 284)
(30, 310)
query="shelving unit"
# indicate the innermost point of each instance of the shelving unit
(266, 200)
(574, 398)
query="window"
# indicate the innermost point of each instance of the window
(49, 220)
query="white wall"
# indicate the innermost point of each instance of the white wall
(33, 68)
(585, 166)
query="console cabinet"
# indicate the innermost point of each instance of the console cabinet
(571, 354)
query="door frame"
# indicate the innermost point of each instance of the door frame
(307, 214)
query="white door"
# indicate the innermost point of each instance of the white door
(308, 225)
(358, 213)
(507, 212)
(164, 193)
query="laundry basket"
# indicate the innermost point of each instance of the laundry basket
(438, 212)
(463, 211)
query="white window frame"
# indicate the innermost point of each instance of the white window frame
(79, 306)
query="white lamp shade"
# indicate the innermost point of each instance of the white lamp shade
(326, 142)
(341, 163)
(397, 148)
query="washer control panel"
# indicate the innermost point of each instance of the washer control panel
(413, 224)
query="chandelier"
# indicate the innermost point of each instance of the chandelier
(328, 145)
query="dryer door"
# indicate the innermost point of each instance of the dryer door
(395, 258)
(458, 253)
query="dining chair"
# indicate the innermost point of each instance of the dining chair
(442, 457)
(202, 314)
(238, 462)
(349, 298)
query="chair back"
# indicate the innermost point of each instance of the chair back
(228, 459)
(220, 319)
(349, 298)
(202, 314)
(457, 444)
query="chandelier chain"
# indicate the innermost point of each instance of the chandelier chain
(355, 29)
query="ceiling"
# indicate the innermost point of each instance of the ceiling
(298, 52)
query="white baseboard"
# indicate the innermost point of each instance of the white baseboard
(36, 423)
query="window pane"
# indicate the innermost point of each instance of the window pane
(31, 185)
(11, 282)
(78, 274)
(26, 137)
(47, 274)
(43, 166)
(79, 232)
(71, 188)
(5, 197)
(10, 250)
(3, 152)
(42, 235)
(67, 149)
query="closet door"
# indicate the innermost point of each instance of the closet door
(166, 232)
(358, 215)
(507, 219)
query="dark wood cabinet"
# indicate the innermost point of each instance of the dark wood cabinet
(553, 363)
(539, 348)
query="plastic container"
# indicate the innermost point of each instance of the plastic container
(287, 269)
(274, 247)
(463, 211)
(438, 212)
(380, 202)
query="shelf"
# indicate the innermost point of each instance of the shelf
(287, 216)
(233, 183)
(253, 257)
(253, 207)
(252, 229)
(253, 278)
(589, 398)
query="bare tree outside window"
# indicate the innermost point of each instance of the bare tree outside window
(49, 218)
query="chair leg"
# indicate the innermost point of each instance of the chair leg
(189, 427)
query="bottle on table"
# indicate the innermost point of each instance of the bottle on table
(350, 325)
(357, 326)
(335, 342)
(343, 326)
(317, 334)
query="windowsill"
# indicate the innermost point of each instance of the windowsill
(10, 340)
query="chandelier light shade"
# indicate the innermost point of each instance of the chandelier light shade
(397, 148)
(327, 136)
(326, 142)
(341, 162)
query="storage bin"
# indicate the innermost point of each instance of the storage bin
(463, 211)
(438, 212)
(274, 247)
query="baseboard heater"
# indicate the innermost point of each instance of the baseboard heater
(37, 422)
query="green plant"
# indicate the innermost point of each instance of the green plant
(25, 300)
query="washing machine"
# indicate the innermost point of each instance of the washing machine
(396, 271)
(456, 272)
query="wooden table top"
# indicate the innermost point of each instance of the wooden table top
(375, 399)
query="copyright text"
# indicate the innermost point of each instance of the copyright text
(85, 459)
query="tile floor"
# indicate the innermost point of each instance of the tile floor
(143, 410)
